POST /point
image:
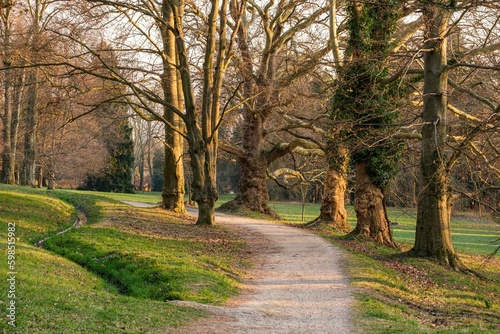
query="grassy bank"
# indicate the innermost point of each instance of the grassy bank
(114, 274)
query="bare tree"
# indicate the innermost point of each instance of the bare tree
(200, 121)
(12, 92)
(433, 236)
(37, 10)
(276, 46)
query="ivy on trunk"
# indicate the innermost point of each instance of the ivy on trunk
(367, 108)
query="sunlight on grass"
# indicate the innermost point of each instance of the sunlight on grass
(128, 274)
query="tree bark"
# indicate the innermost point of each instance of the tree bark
(28, 174)
(252, 191)
(8, 156)
(173, 172)
(333, 210)
(433, 235)
(369, 203)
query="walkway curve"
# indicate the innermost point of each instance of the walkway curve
(297, 285)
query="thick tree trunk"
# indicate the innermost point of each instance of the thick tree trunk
(252, 191)
(252, 188)
(173, 172)
(333, 210)
(369, 203)
(433, 235)
(173, 191)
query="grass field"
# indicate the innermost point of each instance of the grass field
(469, 234)
(114, 274)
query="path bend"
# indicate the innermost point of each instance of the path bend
(298, 286)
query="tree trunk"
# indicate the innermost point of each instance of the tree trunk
(8, 159)
(39, 177)
(173, 172)
(51, 184)
(8, 156)
(252, 191)
(141, 171)
(29, 163)
(433, 235)
(203, 162)
(369, 203)
(333, 210)
(252, 188)
(149, 156)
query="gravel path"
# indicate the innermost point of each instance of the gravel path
(297, 286)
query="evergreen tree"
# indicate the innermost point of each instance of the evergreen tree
(158, 165)
(117, 177)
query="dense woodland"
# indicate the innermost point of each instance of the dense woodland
(387, 102)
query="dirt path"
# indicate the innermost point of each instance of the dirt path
(297, 287)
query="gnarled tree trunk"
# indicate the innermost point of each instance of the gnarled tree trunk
(333, 210)
(371, 213)
(252, 189)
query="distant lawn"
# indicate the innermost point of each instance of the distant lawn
(139, 196)
(468, 235)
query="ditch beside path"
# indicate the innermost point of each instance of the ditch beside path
(296, 286)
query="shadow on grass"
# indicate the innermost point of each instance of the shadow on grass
(125, 273)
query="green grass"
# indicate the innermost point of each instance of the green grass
(139, 266)
(469, 235)
(145, 197)
(54, 295)
(34, 213)
(114, 274)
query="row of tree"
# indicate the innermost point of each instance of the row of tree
(297, 92)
